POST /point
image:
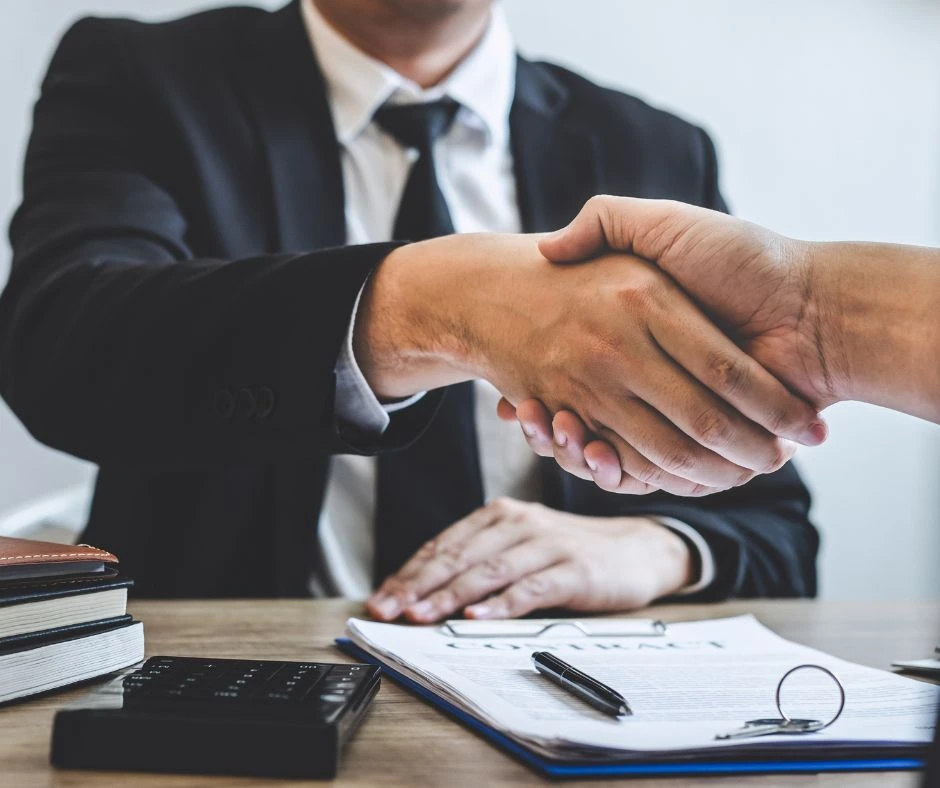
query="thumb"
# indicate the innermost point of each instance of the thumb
(646, 228)
(585, 236)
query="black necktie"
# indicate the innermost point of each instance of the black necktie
(425, 488)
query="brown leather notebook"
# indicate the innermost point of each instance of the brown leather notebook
(28, 559)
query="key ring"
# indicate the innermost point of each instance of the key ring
(786, 718)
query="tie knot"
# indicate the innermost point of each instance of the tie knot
(417, 125)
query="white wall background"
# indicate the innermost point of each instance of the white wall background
(827, 119)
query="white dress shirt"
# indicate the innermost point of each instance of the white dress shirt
(473, 164)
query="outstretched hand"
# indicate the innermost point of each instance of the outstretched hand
(750, 281)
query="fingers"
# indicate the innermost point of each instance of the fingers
(536, 423)
(699, 347)
(614, 465)
(638, 469)
(669, 452)
(492, 541)
(551, 587)
(704, 417)
(505, 410)
(570, 444)
(436, 561)
(604, 462)
(576, 449)
(499, 569)
(570, 435)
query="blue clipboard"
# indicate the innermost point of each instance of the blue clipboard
(561, 769)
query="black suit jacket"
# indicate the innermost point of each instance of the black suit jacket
(180, 291)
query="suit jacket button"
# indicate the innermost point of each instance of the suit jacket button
(265, 403)
(244, 403)
(224, 404)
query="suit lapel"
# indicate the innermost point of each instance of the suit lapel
(285, 97)
(557, 169)
(556, 164)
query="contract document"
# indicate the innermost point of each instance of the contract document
(695, 681)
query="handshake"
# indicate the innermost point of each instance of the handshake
(649, 345)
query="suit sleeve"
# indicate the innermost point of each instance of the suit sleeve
(711, 193)
(118, 344)
(760, 536)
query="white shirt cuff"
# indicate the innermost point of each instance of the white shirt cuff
(356, 403)
(706, 559)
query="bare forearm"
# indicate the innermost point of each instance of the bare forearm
(878, 311)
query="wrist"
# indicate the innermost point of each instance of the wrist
(820, 321)
(673, 557)
(406, 339)
(877, 307)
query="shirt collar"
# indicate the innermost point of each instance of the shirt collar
(483, 83)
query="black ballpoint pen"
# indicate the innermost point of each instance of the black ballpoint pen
(569, 678)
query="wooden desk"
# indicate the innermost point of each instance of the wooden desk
(406, 742)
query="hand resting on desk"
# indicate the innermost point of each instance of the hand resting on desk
(530, 557)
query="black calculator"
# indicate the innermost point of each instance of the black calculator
(218, 716)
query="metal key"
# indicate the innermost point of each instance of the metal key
(768, 727)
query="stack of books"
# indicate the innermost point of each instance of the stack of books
(63, 617)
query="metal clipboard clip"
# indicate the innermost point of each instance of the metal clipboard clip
(554, 627)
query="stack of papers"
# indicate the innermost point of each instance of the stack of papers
(697, 680)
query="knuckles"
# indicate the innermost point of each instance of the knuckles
(495, 568)
(729, 376)
(647, 473)
(502, 506)
(641, 295)
(516, 512)
(711, 428)
(677, 461)
(451, 559)
(537, 586)
(780, 422)
(779, 459)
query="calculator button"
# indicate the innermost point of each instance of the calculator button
(275, 696)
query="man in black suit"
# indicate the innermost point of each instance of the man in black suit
(197, 304)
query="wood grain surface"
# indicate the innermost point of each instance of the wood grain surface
(404, 741)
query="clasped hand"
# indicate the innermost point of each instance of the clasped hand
(756, 283)
(618, 343)
(615, 341)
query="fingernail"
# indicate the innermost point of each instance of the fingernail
(486, 610)
(421, 609)
(591, 464)
(528, 429)
(560, 439)
(387, 607)
(814, 434)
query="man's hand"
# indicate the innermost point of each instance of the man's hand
(754, 283)
(615, 341)
(509, 558)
